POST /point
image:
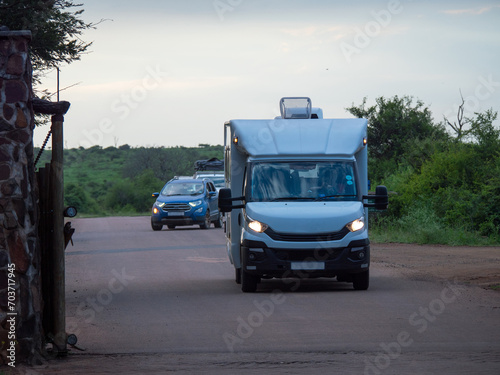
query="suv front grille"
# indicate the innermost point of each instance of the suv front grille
(176, 207)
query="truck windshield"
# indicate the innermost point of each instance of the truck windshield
(282, 181)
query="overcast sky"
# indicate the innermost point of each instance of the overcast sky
(170, 73)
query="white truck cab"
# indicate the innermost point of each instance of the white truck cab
(296, 194)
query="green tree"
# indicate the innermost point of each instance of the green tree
(168, 162)
(55, 29)
(397, 131)
(485, 134)
(459, 184)
(133, 194)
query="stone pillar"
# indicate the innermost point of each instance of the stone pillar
(19, 247)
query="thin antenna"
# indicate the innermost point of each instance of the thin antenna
(57, 83)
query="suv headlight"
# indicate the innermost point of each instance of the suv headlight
(195, 203)
(356, 225)
(255, 225)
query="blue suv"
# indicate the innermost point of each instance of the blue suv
(186, 202)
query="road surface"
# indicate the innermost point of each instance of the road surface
(145, 302)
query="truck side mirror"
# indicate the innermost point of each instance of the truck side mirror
(381, 198)
(226, 201)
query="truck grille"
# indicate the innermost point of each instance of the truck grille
(307, 255)
(302, 237)
(176, 207)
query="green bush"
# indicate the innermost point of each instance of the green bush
(133, 195)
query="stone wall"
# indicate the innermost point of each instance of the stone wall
(18, 206)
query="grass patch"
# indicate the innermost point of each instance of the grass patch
(422, 226)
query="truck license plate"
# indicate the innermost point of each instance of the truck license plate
(309, 266)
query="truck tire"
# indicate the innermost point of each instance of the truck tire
(361, 281)
(248, 282)
(237, 274)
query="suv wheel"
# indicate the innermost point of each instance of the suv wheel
(206, 222)
(156, 226)
(218, 221)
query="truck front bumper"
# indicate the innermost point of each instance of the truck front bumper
(258, 259)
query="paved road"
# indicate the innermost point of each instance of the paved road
(146, 302)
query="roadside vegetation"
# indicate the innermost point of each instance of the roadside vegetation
(119, 181)
(443, 178)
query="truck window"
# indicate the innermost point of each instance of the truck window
(305, 180)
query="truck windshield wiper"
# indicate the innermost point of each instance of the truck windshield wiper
(291, 199)
(334, 196)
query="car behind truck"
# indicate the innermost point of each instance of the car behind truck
(296, 198)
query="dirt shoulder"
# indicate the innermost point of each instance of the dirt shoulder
(470, 265)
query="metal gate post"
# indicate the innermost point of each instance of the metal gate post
(58, 245)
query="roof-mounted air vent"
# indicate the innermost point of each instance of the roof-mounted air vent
(295, 108)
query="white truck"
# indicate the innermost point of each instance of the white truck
(296, 198)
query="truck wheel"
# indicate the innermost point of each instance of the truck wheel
(206, 223)
(156, 226)
(248, 282)
(237, 272)
(361, 281)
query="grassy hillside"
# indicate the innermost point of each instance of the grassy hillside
(110, 181)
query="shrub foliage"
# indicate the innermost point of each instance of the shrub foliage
(446, 189)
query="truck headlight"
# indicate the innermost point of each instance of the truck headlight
(195, 203)
(356, 225)
(255, 225)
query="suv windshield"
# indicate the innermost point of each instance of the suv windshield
(216, 179)
(184, 188)
(303, 180)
